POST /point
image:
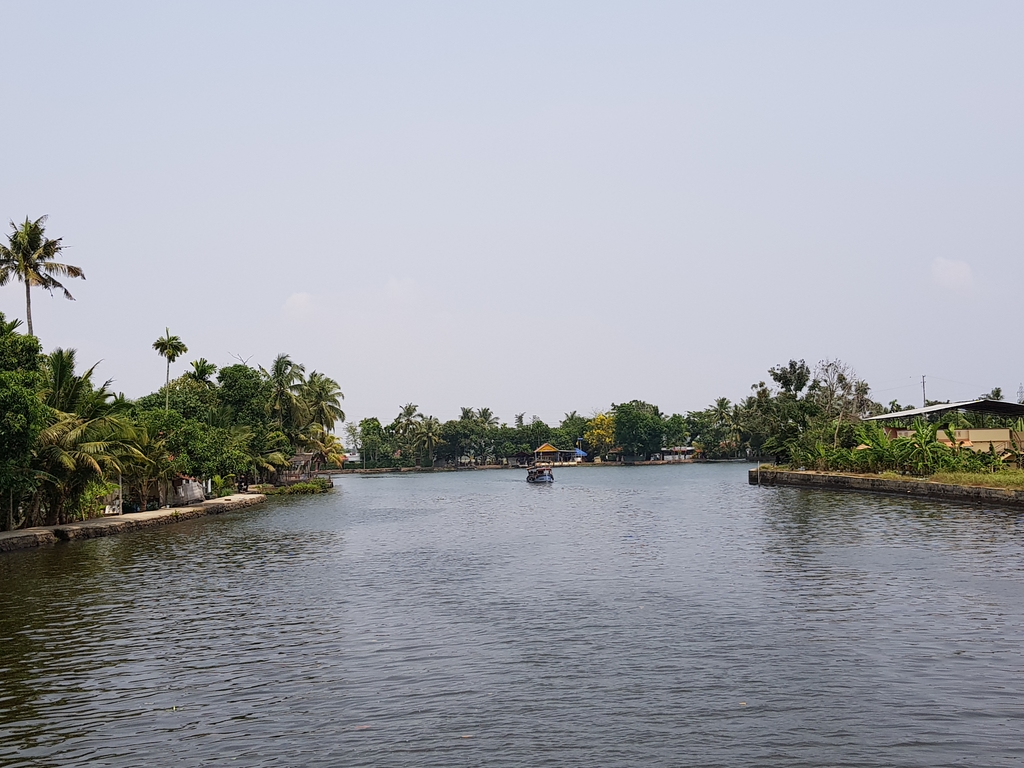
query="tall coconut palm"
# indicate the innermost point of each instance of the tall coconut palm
(29, 258)
(202, 372)
(286, 382)
(408, 417)
(487, 418)
(467, 414)
(170, 347)
(322, 395)
(427, 436)
(405, 425)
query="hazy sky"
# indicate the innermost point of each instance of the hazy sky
(531, 207)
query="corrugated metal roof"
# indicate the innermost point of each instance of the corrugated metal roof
(996, 407)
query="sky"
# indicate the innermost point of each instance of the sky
(533, 207)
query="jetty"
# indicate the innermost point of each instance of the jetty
(26, 538)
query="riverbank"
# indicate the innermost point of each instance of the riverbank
(926, 489)
(27, 538)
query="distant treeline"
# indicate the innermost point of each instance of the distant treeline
(796, 415)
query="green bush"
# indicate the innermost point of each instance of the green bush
(316, 485)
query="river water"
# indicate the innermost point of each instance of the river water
(623, 616)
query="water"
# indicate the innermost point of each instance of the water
(623, 616)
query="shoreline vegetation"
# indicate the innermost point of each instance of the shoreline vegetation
(71, 448)
(312, 486)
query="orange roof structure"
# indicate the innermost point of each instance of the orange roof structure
(546, 448)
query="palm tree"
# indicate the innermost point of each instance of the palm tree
(155, 464)
(87, 436)
(202, 372)
(467, 414)
(266, 451)
(722, 410)
(322, 395)
(8, 327)
(286, 382)
(487, 417)
(170, 347)
(325, 447)
(427, 437)
(29, 258)
(405, 425)
(408, 416)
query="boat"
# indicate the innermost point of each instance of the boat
(540, 474)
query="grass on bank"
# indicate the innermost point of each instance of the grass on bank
(1007, 478)
(316, 485)
(1010, 479)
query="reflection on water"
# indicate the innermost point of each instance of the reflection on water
(656, 616)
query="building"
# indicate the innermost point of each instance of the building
(549, 454)
(983, 440)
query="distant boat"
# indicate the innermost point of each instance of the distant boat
(541, 474)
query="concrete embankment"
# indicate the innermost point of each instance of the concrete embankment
(838, 481)
(108, 526)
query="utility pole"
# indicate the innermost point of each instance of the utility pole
(924, 396)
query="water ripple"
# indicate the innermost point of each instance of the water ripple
(656, 616)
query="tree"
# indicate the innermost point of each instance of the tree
(87, 436)
(839, 398)
(574, 427)
(322, 397)
(325, 447)
(600, 433)
(171, 348)
(29, 258)
(246, 392)
(639, 428)
(427, 437)
(371, 437)
(791, 378)
(286, 403)
(21, 417)
(405, 425)
(487, 417)
(154, 466)
(676, 433)
(202, 372)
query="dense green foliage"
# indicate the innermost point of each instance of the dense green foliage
(315, 485)
(67, 442)
(22, 415)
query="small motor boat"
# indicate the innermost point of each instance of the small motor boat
(540, 474)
